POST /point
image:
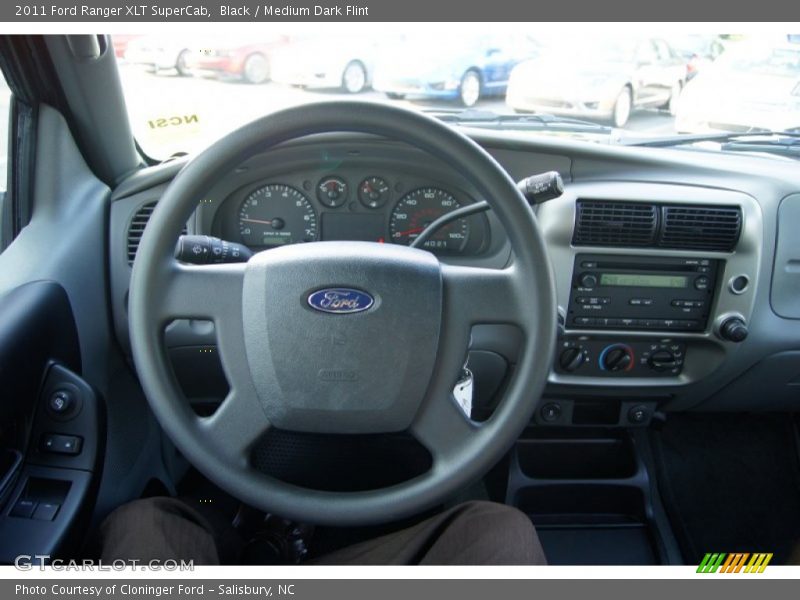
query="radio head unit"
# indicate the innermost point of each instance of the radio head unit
(646, 293)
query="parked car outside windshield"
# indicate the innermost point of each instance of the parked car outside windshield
(185, 92)
(754, 87)
(601, 78)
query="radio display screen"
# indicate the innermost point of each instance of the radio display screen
(643, 280)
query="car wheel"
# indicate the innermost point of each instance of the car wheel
(180, 63)
(354, 78)
(256, 69)
(395, 96)
(470, 89)
(674, 97)
(622, 108)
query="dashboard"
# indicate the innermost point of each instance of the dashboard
(669, 291)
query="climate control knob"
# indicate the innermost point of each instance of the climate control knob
(617, 357)
(572, 358)
(662, 360)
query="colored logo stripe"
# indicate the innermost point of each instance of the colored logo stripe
(734, 562)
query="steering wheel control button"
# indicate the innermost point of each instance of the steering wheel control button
(639, 414)
(46, 511)
(54, 443)
(550, 412)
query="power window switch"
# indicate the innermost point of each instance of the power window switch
(24, 508)
(61, 444)
(46, 511)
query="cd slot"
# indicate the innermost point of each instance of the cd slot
(672, 267)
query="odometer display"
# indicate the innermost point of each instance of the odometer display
(276, 215)
(418, 209)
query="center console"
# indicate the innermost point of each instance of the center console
(619, 292)
(656, 286)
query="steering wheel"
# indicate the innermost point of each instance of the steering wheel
(384, 360)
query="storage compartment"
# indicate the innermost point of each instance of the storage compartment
(586, 492)
(582, 503)
(579, 458)
(590, 524)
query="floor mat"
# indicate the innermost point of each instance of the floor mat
(731, 483)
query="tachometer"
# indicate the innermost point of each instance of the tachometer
(275, 215)
(418, 209)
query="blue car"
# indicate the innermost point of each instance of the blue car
(466, 69)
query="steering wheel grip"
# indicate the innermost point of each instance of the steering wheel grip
(236, 298)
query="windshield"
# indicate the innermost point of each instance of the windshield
(184, 92)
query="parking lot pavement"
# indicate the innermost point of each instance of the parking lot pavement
(171, 113)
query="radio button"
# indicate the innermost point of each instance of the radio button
(701, 283)
(588, 280)
(584, 321)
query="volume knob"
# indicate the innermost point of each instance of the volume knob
(733, 329)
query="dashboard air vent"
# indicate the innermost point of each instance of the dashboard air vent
(136, 228)
(700, 228)
(610, 223)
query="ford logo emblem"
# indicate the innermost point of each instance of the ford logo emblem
(340, 300)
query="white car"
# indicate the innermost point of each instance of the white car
(604, 80)
(159, 53)
(336, 63)
(750, 88)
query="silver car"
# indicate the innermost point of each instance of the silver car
(606, 80)
(750, 88)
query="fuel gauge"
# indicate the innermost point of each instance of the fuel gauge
(373, 192)
(332, 191)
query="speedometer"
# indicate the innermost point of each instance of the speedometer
(276, 215)
(418, 209)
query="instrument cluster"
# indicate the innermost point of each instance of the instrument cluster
(303, 207)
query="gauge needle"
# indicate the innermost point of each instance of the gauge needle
(408, 231)
(258, 221)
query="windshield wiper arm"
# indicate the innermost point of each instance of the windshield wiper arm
(485, 118)
(684, 139)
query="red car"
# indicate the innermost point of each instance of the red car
(120, 43)
(248, 61)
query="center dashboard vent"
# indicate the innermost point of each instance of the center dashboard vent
(600, 223)
(136, 229)
(637, 224)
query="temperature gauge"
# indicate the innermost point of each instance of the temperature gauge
(373, 192)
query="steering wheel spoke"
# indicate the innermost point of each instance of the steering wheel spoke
(203, 292)
(442, 427)
(236, 425)
(475, 295)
